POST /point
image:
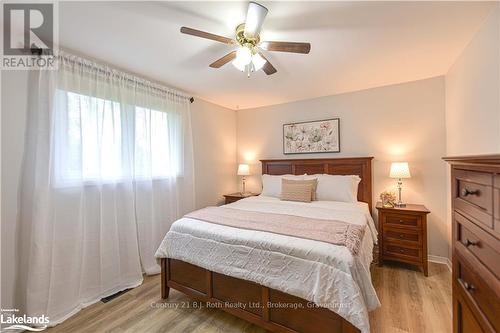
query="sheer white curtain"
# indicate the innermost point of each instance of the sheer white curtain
(108, 167)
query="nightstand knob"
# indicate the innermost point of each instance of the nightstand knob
(400, 221)
(401, 236)
(402, 251)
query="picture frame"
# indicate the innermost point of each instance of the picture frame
(312, 137)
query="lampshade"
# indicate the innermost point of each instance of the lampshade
(244, 55)
(239, 65)
(258, 61)
(400, 170)
(243, 170)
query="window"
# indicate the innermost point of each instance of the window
(100, 140)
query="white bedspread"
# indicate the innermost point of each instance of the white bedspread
(326, 274)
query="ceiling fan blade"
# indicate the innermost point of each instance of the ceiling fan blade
(255, 17)
(268, 67)
(224, 60)
(286, 47)
(207, 35)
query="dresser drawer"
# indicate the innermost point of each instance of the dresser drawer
(403, 221)
(465, 322)
(479, 243)
(496, 205)
(474, 195)
(402, 252)
(480, 216)
(402, 235)
(478, 177)
(482, 295)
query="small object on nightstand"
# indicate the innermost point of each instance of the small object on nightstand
(400, 170)
(402, 234)
(233, 197)
(388, 199)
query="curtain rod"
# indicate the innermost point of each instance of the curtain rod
(35, 50)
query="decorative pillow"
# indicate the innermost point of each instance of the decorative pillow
(271, 184)
(313, 182)
(296, 192)
(338, 188)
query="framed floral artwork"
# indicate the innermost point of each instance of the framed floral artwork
(320, 136)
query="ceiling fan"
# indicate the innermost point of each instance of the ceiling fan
(249, 57)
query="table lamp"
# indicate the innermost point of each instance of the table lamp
(243, 170)
(400, 170)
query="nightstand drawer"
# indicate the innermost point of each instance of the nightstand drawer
(402, 235)
(403, 221)
(232, 199)
(402, 252)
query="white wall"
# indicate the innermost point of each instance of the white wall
(473, 98)
(14, 96)
(473, 94)
(214, 139)
(399, 122)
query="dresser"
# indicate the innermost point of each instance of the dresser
(475, 191)
(403, 234)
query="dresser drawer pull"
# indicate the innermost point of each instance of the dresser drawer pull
(468, 286)
(467, 192)
(468, 243)
(401, 236)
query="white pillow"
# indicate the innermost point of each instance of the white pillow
(337, 188)
(271, 184)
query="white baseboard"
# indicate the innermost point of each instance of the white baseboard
(440, 260)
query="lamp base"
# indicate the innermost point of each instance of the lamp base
(400, 204)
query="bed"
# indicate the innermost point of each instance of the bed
(279, 282)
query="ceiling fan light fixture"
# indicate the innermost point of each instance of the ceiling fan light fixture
(239, 65)
(258, 61)
(244, 55)
(248, 57)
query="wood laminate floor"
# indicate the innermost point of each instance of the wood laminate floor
(410, 303)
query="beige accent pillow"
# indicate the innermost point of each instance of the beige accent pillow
(296, 192)
(313, 182)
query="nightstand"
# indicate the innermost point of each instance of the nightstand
(233, 197)
(402, 234)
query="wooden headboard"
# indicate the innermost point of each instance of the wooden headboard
(361, 166)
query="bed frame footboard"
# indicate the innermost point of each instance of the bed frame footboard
(268, 308)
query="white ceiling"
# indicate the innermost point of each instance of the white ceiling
(355, 45)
